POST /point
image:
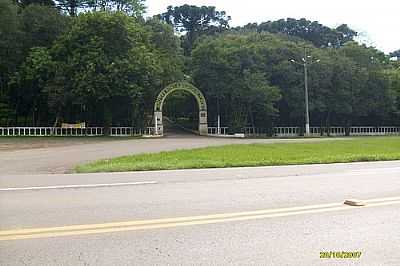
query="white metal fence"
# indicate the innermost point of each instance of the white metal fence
(254, 131)
(149, 131)
(50, 131)
(316, 131)
(286, 131)
(214, 131)
(373, 131)
(337, 131)
(125, 131)
(248, 131)
(319, 131)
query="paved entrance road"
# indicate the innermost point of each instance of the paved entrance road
(63, 159)
(248, 229)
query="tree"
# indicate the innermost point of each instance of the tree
(41, 26)
(10, 54)
(195, 21)
(318, 34)
(25, 3)
(162, 37)
(396, 54)
(393, 76)
(134, 8)
(108, 68)
(364, 56)
(27, 85)
(37, 26)
(230, 69)
(72, 6)
(9, 44)
(375, 99)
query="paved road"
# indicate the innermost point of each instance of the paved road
(57, 159)
(240, 216)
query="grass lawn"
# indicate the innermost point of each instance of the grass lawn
(335, 151)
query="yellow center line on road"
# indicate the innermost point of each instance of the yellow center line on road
(183, 221)
(164, 220)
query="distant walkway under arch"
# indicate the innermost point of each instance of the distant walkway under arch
(185, 86)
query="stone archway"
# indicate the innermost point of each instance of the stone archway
(201, 101)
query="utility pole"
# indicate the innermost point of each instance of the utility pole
(218, 118)
(306, 93)
(307, 61)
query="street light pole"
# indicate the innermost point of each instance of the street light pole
(218, 118)
(306, 94)
(305, 64)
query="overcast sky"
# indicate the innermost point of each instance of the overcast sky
(377, 20)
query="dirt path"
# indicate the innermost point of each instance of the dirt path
(23, 143)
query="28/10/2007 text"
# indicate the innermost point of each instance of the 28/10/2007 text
(339, 255)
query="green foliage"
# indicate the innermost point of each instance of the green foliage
(110, 63)
(25, 3)
(71, 7)
(347, 87)
(230, 69)
(134, 8)
(393, 77)
(27, 85)
(40, 26)
(316, 33)
(163, 39)
(396, 54)
(9, 44)
(106, 66)
(195, 21)
(188, 18)
(33, 28)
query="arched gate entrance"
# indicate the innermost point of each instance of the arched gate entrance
(201, 101)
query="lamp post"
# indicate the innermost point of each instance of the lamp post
(307, 61)
(219, 125)
(218, 118)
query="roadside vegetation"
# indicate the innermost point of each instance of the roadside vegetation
(335, 151)
(104, 63)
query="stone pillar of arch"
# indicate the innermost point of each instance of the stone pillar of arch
(203, 125)
(201, 101)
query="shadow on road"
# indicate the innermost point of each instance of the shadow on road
(171, 130)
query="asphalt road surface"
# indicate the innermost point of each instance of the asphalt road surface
(62, 159)
(282, 215)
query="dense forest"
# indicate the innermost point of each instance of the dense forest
(104, 63)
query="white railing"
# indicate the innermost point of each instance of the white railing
(78, 132)
(131, 131)
(50, 131)
(337, 131)
(374, 131)
(26, 131)
(248, 131)
(149, 131)
(254, 131)
(318, 131)
(286, 131)
(125, 131)
(315, 131)
(214, 131)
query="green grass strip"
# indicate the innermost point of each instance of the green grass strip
(335, 151)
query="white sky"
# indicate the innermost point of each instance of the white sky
(377, 21)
